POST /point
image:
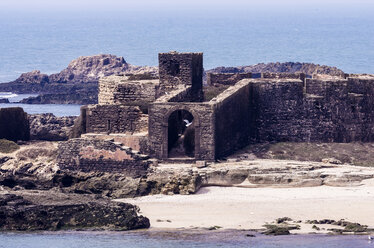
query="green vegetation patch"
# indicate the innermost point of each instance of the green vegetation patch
(7, 146)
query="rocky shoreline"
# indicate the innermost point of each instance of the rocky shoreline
(78, 83)
(53, 211)
(32, 185)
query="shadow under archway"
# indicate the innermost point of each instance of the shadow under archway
(181, 134)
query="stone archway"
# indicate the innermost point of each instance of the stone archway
(181, 134)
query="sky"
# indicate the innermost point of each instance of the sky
(173, 4)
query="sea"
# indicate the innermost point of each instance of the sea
(171, 239)
(49, 40)
(341, 36)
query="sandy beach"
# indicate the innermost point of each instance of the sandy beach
(251, 208)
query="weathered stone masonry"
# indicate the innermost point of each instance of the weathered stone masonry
(120, 90)
(99, 155)
(324, 111)
(177, 69)
(274, 108)
(232, 119)
(114, 119)
(203, 114)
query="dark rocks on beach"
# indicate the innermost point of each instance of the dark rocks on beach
(276, 230)
(24, 211)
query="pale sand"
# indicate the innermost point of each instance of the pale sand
(251, 208)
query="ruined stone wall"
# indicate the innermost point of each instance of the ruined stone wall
(119, 90)
(89, 155)
(285, 75)
(275, 107)
(204, 128)
(115, 119)
(232, 119)
(336, 110)
(226, 78)
(137, 142)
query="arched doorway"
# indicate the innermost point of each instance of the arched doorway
(181, 134)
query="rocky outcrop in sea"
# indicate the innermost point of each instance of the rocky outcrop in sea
(287, 67)
(78, 82)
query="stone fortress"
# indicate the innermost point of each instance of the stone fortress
(171, 119)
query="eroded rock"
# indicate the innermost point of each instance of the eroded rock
(25, 211)
(49, 127)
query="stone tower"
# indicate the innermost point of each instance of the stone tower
(180, 69)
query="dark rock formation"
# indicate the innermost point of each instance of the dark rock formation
(78, 83)
(14, 124)
(49, 127)
(90, 69)
(33, 77)
(56, 211)
(289, 67)
(70, 94)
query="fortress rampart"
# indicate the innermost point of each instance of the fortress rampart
(276, 107)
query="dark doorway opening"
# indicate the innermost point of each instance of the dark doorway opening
(181, 134)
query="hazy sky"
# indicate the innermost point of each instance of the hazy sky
(176, 4)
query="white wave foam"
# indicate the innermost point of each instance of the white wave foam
(7, 95)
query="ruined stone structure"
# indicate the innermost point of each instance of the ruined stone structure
(178, 123)
(101, 155)
(226, 78)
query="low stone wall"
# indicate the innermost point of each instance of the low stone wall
(120, 90)
(137, 142)
(226, 78)
(89, 155)
(285, 75)
(115, 119)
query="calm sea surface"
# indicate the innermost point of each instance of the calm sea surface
(49, 41)
(56, 109)
(175, 239)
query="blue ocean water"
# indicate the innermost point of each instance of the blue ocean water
(175, 239)
(49, 40)
(56, 109)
